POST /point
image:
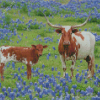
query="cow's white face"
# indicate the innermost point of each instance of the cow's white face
(67, 28)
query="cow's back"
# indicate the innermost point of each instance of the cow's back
(86, 44)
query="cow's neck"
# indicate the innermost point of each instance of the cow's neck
(35, 56)
(68, 50)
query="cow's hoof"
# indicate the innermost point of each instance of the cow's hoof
(71, 77)
(89, 76)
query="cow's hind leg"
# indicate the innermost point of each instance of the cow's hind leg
(2, 70)
(90, 61)
(92, 67)
(63, 64)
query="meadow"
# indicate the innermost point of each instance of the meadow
(22, 24)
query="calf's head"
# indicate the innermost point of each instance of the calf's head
(39, 49)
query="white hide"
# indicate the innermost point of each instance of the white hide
(86, 45)
(67, 28)
(3, 58)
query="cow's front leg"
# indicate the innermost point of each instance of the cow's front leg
(28, 71)
(72, 68)
(63, 64)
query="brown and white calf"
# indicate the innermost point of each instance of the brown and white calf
(75, 45)
(26, 55)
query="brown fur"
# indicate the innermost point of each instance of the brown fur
(79, 34)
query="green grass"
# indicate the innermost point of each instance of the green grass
(9, 82)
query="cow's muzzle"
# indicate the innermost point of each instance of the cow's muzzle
(40, 54)
(66, 43)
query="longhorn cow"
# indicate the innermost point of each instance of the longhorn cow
(74, 45)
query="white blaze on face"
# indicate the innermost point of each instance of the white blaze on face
(67, 28)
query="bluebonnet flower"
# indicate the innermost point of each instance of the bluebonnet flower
(59, 73)
(53, 48)
(14, 90)
(5, 94)
(80, 61)
(74, 86)
(66, 88)
(18, 94)
(55, 56)
(47, 57)
(85, 81)
(30, 96)
(9, 89)
(52, 68)
(96, 65)
(12, 95)
(3, 89)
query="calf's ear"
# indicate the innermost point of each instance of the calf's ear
(33, 46)
(58, 30)
(45, 46)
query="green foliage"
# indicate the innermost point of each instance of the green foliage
(36, 26)
(18, 4)
(69, 19)
(7, 19)
(24, 9)
(95, 20)
(6, 4)
(67, 11)
(38, 12)
(21, 27)
(45, 32)
(96, 52)
(81, 20)
(96, 28)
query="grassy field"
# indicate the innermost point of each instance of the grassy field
(30, 37)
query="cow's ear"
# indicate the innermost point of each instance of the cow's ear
(58, 30)
(74, 30)
(33, 46)
(45, 46)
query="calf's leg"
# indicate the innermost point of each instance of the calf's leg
(28, 71)
(2, 70)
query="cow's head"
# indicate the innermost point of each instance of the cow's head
(66, 30)
(39, 49)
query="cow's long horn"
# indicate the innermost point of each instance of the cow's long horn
(76, 26)
(55, 26)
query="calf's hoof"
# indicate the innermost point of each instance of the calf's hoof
(2, 79)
